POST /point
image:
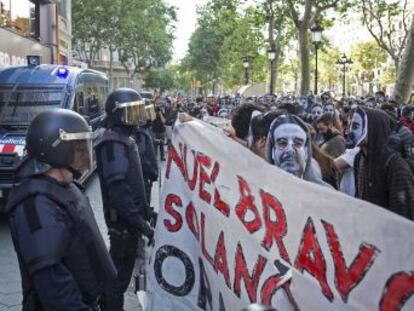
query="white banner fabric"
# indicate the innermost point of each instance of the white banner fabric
(233, 230)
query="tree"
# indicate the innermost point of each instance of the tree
(367, 56)
(161, 80)
(140, 30)
(92, 26)
(312, 11)
(380, 18)
(273, 14)
(224, 35)
(405, 78)
(327, 76)
(146, 34)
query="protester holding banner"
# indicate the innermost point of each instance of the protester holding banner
(240, 121)
(235, 232)
(289, 147)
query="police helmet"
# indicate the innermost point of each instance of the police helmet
(125, 107)
(54, 136)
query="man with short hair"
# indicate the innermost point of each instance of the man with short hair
(333, 143)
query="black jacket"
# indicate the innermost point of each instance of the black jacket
(382, 176)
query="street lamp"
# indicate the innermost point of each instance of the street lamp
(344, 61)
(316, 30)
(272, 55)
(246, 65)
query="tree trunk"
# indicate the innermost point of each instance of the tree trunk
(304, 60)
(274, 65)
(405, 74)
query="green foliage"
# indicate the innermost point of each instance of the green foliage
(389, 76)
(328, 73)
(167, 79)
(146, 33)
(141, 30)
(380, 18)
(224, 35)
(367, 56)
(160, 79)
(92, 22)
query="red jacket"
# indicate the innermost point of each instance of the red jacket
(408, 123)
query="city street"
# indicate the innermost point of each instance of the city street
(10, 288)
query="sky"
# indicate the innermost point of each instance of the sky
(186, 24)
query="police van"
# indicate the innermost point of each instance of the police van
(26, 91)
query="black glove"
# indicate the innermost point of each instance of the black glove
(154, 217)
(151, 240)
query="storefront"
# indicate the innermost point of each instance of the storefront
(18, 47)
(35, 27)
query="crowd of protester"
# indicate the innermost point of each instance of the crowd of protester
(363, 147)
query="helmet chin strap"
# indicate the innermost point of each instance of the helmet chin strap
(76, 173)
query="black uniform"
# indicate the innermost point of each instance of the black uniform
(63, 260)
(125, 208)
(148, 159)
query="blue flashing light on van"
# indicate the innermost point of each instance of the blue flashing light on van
(25, 91)
(62, 72)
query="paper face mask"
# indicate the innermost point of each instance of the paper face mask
(358, 129)
(289, 150)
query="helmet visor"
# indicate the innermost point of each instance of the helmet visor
(133, 113)
(150, 112)
(82, 150)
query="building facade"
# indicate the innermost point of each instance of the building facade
(35, 27)
(118, 74)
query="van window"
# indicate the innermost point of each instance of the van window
(19, 106)
(93, 101)
(79, 105)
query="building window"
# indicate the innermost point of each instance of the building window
(18, 15)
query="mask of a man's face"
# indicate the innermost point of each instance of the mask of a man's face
(358, 129)
(328, 109)
(316, 112)
(289, 150)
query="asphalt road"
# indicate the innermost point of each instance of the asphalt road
(10, 287)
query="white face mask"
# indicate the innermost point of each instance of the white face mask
(289, 150)
(316, 112)
(358, 129)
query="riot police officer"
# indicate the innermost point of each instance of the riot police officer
(146, 150)
(64, 263)
(123, 192)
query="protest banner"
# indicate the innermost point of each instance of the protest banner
(233, 230)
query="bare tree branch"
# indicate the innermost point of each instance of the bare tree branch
(293, 13)
(320, 9)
